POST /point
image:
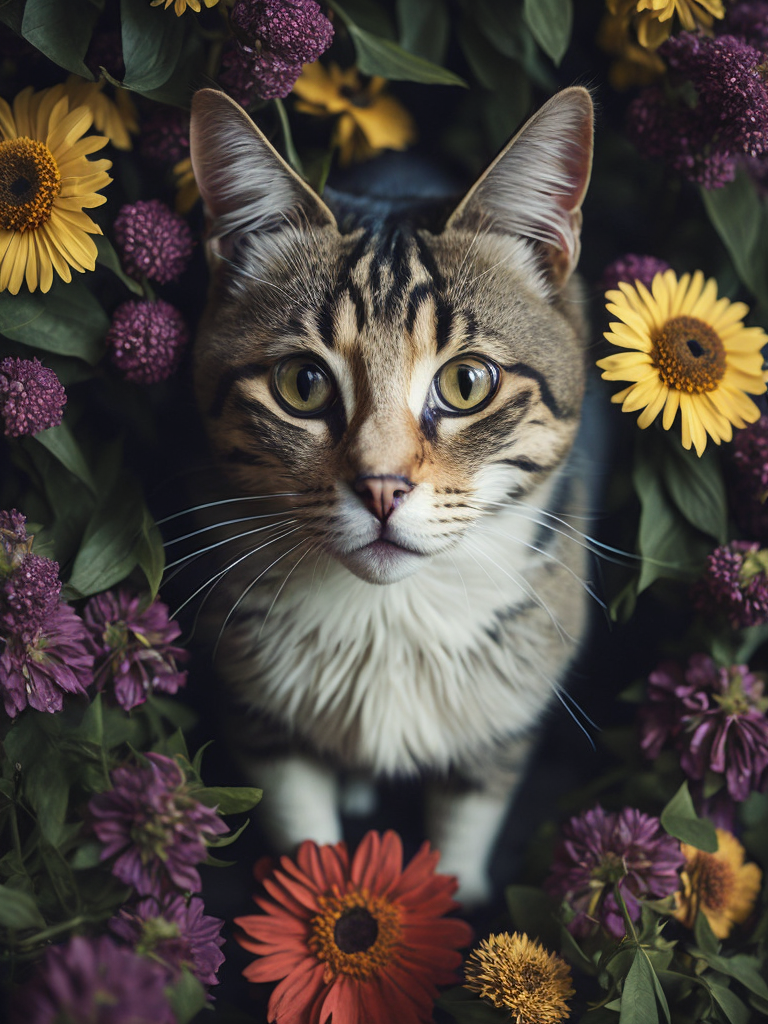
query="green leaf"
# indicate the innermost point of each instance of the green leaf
(638, 997)
(733, 1008)
(740, 217)
(531, 911)
(216, 862)
(550, 21)
(150, 552)
(745, 969)
(46, 788)
(67, 320)
(679, 819)
(703, 934)
(187, 997)
(152, 44)
(424, 28)
(467, 1008)
(108, 550)
(108, 258)
(697, 488)
(61, 31)
(86, 856)
(229, 839)
(229, 799)
(60, 442)
(18, 910)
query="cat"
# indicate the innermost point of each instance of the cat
(393, 390)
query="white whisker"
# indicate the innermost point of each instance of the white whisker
(228, 540)
(228, 501)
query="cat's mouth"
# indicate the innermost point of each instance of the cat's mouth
(383, 561)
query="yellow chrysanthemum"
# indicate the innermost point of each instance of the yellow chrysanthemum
(634, 64)
(369, 120)
(46, 181)
(116, 118)
(686, 350)
(519, 975)
(719, 884)
(180, 6)
(654, 18)
(187, 192)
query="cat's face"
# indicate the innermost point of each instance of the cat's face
(392, 383)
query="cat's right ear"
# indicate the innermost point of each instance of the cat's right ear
(246, 185)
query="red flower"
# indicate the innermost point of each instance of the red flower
(364, 943)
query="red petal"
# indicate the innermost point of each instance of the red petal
(390, 863)
(342, 1002)
(334, 867)
(275, 966)
(291, 1001)
(300, 893)
(281, 895)
(283, 929)
(366, 860)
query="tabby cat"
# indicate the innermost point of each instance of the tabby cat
(393, 390)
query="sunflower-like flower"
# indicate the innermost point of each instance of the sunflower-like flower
(180, 6)
(654, 19)
(519, 975)
(46, 182)
(686, 350)
(719, 884)
(368, 120)
(116, 118)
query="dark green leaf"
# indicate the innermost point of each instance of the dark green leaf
(173, 711)
(12, 14)
(290, 149)
(68, 320)
(61, 876)
(703, 934)
(187, 997)
(550, 22)
(229, 799)
(62, 445)
(467, 1008)
(152, 44)
(696, 486)
(740, 218)
(660, 961)
(228, 840)
(638, 998)
(61, 31)
(86, 856)
(108, 258)
(531, 911)
(680, 820)
(424, 28)
(216, 862)
(18, 910)
(733, 1008)
(197, 760)
(108, 550)
(743, 968)
(46, 787)
(150, 552)
(174, 744)
(504, 26)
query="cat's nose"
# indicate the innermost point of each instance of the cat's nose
(382, 494)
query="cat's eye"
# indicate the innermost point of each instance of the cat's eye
(303, 386)
(467, 383)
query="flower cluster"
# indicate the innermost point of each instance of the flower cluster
(153, 241)
(749, 461)
(31, 397)
(146, 340)
(734, 585)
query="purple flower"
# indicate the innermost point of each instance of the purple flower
(31, 397)
(55, 662)
(275, 38)
(93, 981)
(749, 21)
(176, 933)
(631, 268)
(133, 648)
(154, 826)
(599, 850)
(165, 135)
(146, 340)
(237, 75)
(735, 584)
(714, 717)
(749, 459)
(153, 241)
(28, 597)
(15, 545)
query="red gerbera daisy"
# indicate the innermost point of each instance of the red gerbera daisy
(366, 942)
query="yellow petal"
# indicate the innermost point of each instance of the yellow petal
(670, 408)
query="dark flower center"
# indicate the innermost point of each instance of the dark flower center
(715, 883)
(29, 184)
(357, 97)
(689, 355)
(356, 931)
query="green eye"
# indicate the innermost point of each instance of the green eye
(467, 383)
(304, 387)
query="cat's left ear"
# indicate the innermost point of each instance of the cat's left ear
(535, 186)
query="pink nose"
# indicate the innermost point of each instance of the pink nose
(382, 494)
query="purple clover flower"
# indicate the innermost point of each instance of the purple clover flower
(132, 647)
(749, 21)
(28, 597)
(176, 933)
(237, 75)
(15, 545)
(146, 340)
(153, 241)
(31, 397)
(749, 460)
(93, 981)
(631, 268)
(598, 850)
(735, 584)
(154, 826)
(165, 135)
(56, 662)
(714, 717)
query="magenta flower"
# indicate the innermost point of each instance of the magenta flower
(749, 21)
(146, 340)
(93, 981)
(28, 597)
(31, 397)
(153, 241)
(714, 717)
(176, 933)
(132, 646)
(735, 584)
(599, 850)
(165, 135)
(56, 662)
(631, 268)
(154, 826)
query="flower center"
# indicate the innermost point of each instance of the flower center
(358, 97)
(29, 184)
(356, 934)
(689, 355)
(610, 869)
(714, 882)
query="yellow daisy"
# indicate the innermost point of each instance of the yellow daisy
(187, 192)
(686, 350)
(46, 181)
(719, 884)
(654, 18)
(368, 120)
(180, 6)
(517, 974)
(116, 118)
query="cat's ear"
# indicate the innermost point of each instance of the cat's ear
(245, 184)
(535, 186)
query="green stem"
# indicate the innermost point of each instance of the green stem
(290, 149)
(15, 834)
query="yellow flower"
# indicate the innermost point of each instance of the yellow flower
(180, 6)
(654, 18)
(519, 975)
(187, 192)
(719, 884)
(46, 181)
(368, 119)
(634, 65)
(686, 350)
(113, 118)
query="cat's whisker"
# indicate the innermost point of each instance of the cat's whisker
(183, 563)
(461, 273)
(290, 572)
(228, 522)
(561, 695)
(229, 501)
(228, 540)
